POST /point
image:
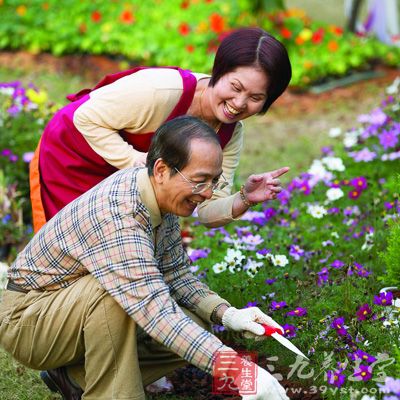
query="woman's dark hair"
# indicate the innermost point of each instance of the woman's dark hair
(254, 47)
(171, 142)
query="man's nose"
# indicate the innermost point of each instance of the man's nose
(207, 194)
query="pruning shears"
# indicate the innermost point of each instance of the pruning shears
(276, 334)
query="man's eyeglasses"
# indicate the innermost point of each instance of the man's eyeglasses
(198, 188)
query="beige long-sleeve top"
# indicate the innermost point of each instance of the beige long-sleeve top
(138, 104)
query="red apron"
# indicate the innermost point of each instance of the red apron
(65, 166)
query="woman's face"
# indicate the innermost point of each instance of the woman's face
(239, 94)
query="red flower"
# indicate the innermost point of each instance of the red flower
(337, 31)
(190, 48)
(184, 29)
(185, 4)
(286, 33)
(127, 17)
(96, 16)
(217, 24)
(318, 36)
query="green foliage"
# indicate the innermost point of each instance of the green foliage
(23, 114)
(391, 256)
(184, 33)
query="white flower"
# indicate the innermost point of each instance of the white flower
(253, 267)
(234, 257)
(394, 87)
(366, 397)
(3, 275)
(335, 235)
(316, 211)
(369, 241)
(350, 138)
(334, 132)
(317, 168)
(219, 267)
(334, 193)
(280, 260)
(334, 163)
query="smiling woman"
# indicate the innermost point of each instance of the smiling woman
(110, 127)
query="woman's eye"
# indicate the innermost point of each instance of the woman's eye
(236, 88)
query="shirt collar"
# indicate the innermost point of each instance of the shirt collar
(148, 197)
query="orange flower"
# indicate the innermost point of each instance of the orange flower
(127, 17)
(96, 16)
(21, 10)
(45, 6)
(217, 24)
(184, 29)
(333, 46)
(190, 48)
(308, 64)
(337, 30)
(286, 33)
(299, 40)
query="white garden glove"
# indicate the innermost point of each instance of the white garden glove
(247, 319)
(268, 388)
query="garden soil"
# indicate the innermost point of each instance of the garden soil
(190, 382)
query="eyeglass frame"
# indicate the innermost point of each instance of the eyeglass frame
(213, 186)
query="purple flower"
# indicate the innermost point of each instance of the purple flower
(360, 183)
(354, 194)
(196, 254)
(388, 139)
(14, 110)
(13, 158)
(277, 305)
(338, 324)
(27, 157)
(362, 355)
(335, 378)
(334, 210)
(337, 264)
(270, 281)
(391, 385)
(270, 213)
(254, 303)
(296, 252)
(364, 155)
(384, 299)
(363, 312)
(289, 331)
(6, 152)
(297, 312)
(323, 276)
(363, 372)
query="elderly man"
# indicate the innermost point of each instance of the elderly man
(103, 297)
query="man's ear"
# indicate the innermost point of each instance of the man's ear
(160, 171)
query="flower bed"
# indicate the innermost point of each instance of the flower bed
(184, 33)
(317, 258)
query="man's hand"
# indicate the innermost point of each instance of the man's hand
(268, 388)
(263, 187)
(247, 319)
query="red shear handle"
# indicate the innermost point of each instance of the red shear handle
(269, 330)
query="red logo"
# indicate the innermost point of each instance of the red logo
(233, 372)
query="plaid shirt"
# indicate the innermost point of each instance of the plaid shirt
(116, 233)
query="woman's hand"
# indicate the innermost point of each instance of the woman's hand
(263, 187)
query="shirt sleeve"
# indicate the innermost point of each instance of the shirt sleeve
(125, 265)
(186, 288)
(138, 103)
(218, 210)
